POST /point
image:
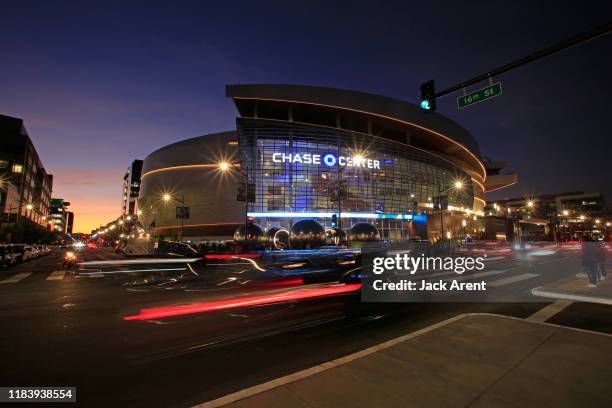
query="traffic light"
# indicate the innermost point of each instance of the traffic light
(428, 96)
(334, 222)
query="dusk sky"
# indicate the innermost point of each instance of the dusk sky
(101, 84)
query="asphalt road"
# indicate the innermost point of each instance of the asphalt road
(70, 329)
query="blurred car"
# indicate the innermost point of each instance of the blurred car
(70, 260)
(91, 245)
(319, 266)
(522, 246)
(173, 249)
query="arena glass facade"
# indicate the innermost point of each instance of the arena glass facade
(309, 172)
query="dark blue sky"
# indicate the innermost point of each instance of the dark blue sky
(102, 83)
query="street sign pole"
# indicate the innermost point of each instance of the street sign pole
(571, 42)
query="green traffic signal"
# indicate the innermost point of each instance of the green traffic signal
(428, 96)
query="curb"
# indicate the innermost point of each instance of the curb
(568, 296)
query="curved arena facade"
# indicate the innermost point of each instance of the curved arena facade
(337, 157)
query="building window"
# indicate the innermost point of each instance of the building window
(17, 168)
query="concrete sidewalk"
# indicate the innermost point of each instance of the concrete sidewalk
(474, 360)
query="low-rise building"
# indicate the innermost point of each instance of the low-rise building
(561, 216)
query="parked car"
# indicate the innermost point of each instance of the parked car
(28, 253)
(6, 255)
(18, 251)
(43, 250)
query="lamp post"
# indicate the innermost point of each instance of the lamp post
(167, 197)
(565, 224)
(341, 169)
(28, 206)
(458, 185)
(224, 167)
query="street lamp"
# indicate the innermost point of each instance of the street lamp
(167, 197)
(224, 166)
(530, 204)
(457, 185)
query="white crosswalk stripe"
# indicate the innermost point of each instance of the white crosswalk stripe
(513, 279)
(16, 278)
(480, 274)
(56, 275)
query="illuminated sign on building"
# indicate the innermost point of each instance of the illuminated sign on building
(327, 159)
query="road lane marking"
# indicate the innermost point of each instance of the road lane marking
(96, 275)
(16, 278)
(461, 278)
(513, 279)
(549, 311)
(493, 258)
(140, 261)
(130, 271)
(56, 275)
(426, 275)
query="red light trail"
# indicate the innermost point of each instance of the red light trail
(235, 256)
(161, 312)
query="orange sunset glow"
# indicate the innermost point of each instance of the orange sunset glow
(94, 195)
